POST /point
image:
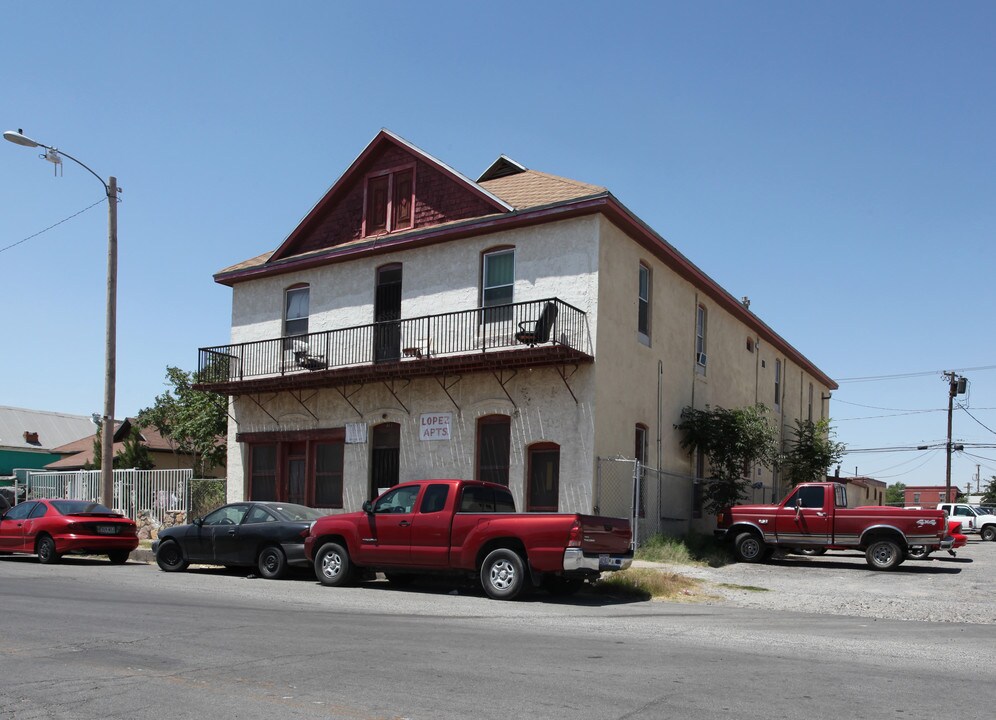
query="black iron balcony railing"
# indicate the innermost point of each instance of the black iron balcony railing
(534, 324)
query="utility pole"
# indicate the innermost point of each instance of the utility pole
(956, 386)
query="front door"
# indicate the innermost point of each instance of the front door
(388, 536)
(806, 522)
(387, 314)
(296, 468)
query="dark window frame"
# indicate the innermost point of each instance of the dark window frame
(285, 444)
(485, 424)
(393, 180)
(541, 448)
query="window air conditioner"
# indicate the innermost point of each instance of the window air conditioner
(700, 358)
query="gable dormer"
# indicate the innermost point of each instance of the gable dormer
(391, 188)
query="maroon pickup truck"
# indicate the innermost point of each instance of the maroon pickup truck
(814, 517)
(467, 527)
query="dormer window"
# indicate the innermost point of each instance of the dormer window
(390, 201)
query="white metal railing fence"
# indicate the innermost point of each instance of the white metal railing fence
(156, 492)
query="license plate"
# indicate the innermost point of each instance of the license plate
(107, 529)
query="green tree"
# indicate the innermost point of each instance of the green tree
(895, 494)
(194, 422)
(811, 453)
(989, 496)
(732, 440)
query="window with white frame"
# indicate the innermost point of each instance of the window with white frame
(643, 305)
(778, 383)
(701, 320)
(497, 282)
(296, 310)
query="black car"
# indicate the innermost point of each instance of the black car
(267, 535)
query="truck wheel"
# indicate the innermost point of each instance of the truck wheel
(503, 574)
(884, 554)
(918, 552)
(748, 547)
(988, 533)
(332, 565)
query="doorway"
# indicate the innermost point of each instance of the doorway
(387, 314)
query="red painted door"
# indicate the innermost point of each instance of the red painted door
(805, 517)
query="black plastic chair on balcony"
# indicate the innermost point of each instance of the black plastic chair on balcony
(305, 360)
(540, 332)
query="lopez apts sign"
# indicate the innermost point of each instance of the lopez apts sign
(434, 426)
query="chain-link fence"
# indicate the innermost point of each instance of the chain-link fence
(656, 502)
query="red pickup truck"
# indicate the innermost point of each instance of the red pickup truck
(814, 517)
(468, 527)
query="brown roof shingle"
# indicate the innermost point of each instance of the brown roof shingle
(533, 188)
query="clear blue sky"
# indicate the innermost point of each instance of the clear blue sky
(834, 162)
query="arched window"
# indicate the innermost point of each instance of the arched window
(543, 486)
(296, 300)
(494, 441)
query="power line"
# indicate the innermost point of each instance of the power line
(976, 419)
(29, 237)
(902, 376)
(875, 407)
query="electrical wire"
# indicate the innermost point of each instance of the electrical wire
(29, 237)
(875, 407)
(976, 419)
(902, 376)
(899, 414)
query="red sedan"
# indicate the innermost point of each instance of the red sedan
(52, 528)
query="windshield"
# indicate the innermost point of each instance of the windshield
(81, 507)
(297, 513)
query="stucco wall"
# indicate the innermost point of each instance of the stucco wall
(554, 260)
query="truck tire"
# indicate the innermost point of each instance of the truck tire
(884, 554)
(333, 566)
(503, 574)
(750, 548)
(918, 552)
(988, 533)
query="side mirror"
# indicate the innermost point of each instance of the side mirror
(198, 522)
(368, 507)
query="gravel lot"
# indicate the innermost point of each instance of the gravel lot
(941, 589)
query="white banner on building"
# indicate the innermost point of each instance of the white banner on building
(434, 426)
(356, 433)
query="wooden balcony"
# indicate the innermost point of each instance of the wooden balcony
(505, 337)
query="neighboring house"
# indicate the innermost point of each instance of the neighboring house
(862, 490)
(928, 496)
(30, 438)
(516, 328)
(79, 453)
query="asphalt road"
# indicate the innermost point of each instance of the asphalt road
(86, 639)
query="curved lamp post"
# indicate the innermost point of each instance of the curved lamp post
(53, 155)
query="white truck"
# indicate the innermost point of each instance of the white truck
(972, 521)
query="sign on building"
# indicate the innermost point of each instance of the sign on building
(434, 426)
(356, 433)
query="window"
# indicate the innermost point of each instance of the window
(434, 498)
(399, 501)
(643, 305)
(497, 279)
(493, 448)
(700, 339)
(263, 472)
(640, 452)
(807, 497)
(296, 311)
(259, 514)
(778, 384)
(543, 491)
(20, 512)
(302, 467)
(750, 344)
(697, 486)
(390, 201)
(328, 474)
(916, 498)
(810, 402)
(477, 499)
(228, 515)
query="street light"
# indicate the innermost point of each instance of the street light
(54, 155)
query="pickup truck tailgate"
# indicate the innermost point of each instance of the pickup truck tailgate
(605, 534)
